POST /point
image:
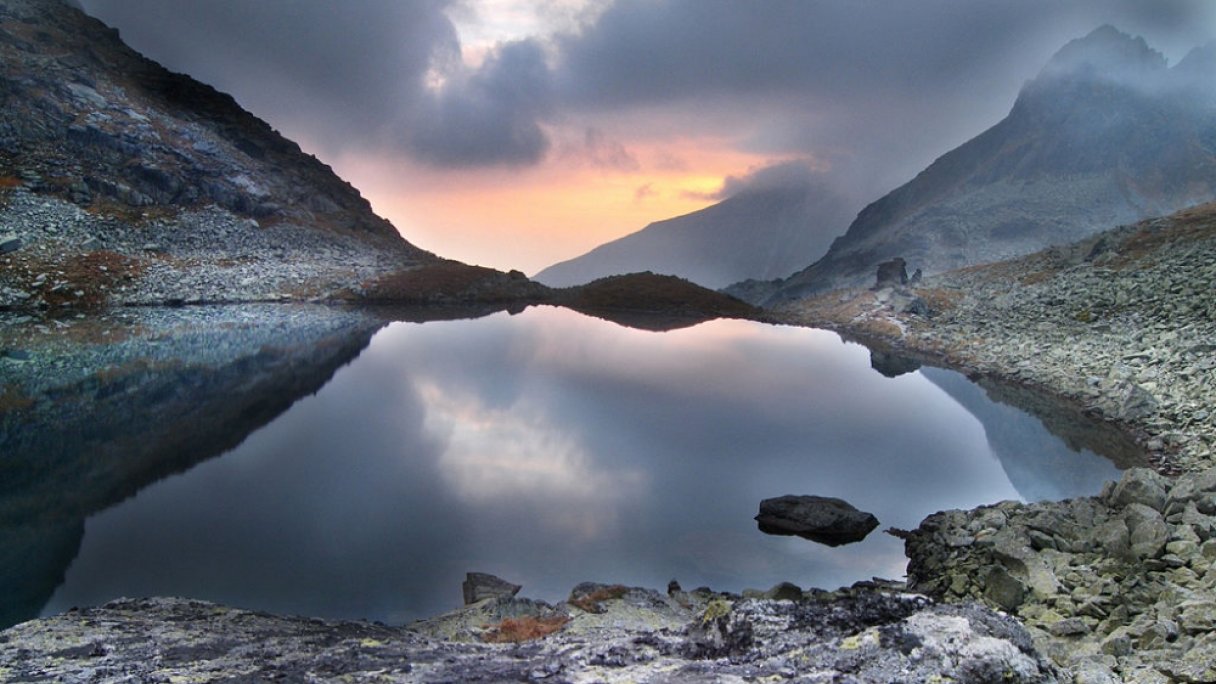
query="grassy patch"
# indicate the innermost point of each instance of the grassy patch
(940, 299)
(654, 293)
(446, 281)
(89, 278)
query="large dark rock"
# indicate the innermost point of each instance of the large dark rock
(478, 586)
(892, 273)
(819, 518)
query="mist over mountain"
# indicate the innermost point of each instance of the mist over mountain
(1107, 133)
(770, 223)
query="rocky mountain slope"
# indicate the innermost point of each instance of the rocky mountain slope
(762, 233)
(1105, 134)
(121, 182)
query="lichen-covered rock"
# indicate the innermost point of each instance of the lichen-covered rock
(858, 635)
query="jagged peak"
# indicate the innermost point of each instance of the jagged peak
(1106, 52)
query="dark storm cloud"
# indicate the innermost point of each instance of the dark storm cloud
(860, 83)
(373, 73)
(640, 51)
(492, 116)
(333, 71)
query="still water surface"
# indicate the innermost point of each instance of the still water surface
(551, 448)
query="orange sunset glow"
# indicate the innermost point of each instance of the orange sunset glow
(527, 219)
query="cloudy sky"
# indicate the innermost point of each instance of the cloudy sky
(516, 133)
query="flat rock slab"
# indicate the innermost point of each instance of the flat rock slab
(818, 518)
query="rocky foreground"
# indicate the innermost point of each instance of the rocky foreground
(601, 634)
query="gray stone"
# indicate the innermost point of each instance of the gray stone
(1092, 673)
(821, 519)
(1139, 485)
(784, 591)
(876, 636)
(1135, 402)
(1003, 589)
(1068, 627)
(1198, 617)
(1113, 537)
(9, 243)
(1148, 532)
(479, 586)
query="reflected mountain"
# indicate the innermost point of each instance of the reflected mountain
(1046, 448)
(103, 408)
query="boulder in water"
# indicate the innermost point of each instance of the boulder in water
(821, 519)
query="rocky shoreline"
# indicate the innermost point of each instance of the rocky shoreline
(1117, 587)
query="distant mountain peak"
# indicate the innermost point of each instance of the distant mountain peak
(1106, 52)
(1106, 134)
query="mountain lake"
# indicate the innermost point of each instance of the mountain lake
(550, 448)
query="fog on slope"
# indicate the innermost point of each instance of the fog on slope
(769, 223)
(1106, 134)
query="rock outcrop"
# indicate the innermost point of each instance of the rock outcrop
(1117, 587)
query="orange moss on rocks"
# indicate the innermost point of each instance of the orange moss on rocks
(1189, 225)
(590, 603)
(940, 299)
(89, 278)
(518, 630)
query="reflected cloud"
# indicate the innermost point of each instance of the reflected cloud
(508, 456)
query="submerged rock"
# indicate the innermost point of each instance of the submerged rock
(821, 519)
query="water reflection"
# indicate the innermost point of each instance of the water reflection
(548, 448)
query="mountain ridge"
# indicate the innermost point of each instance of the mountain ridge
(716, 246)
(123, 183)
(1105, 134)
